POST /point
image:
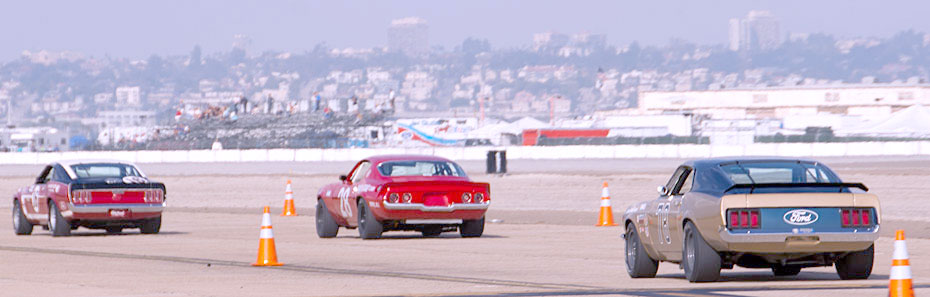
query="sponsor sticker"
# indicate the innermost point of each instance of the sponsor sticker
(119, 213)
(134, 180)
(800, 217)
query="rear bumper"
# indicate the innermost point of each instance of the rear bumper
(424, 208)
(417, 211)
(103, 208)
(102, 211)
(799, 242)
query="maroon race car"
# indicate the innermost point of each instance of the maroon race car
(109, 195)
(406, 193)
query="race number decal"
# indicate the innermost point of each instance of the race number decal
(663, 227)
(345, 209)
(35, 199)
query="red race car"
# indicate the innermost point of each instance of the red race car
(404, 193)
(109, 195)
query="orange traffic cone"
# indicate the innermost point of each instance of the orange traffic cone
(266, 252)
(607, 214)
(901, 284)
(289, 210)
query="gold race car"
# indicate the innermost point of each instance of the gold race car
(775, 213)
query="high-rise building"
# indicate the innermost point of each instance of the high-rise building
(128, 95)
(409, 36)
(758, 31)
(735, 34)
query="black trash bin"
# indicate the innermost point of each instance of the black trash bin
(492, 162)
(503, 164)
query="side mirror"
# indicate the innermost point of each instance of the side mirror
(40, 180)
(343, 178)
(662, 190)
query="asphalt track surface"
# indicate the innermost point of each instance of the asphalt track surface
(206, 247)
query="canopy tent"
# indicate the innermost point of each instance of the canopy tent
(526, 123)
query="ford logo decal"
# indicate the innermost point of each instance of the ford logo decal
(801, 217)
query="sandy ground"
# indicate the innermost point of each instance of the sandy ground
(542, 244)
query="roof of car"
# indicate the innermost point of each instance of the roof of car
(382, 158)
(723, 160)
(67, 163)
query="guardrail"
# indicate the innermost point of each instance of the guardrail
(480, 153)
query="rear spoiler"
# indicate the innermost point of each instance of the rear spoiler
(753, 187)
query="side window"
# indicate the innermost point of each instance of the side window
(673, 182)
(361, 172)
(686, 185)
(43, 177)
(60, 175)
(51, 174)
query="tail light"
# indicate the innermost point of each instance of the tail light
(479, 197)
(153, 196)
(393, 198)
(466, 197)
(856, 217)
(81, 197)
(744, 219)
(407, 197)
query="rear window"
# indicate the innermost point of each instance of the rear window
(104, 170)
(420, 168)
(778, 172)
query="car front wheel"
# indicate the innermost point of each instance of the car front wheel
(368, 226)
(701, 262)
(57, 223)
(151, 226)
(326, 227)
(472, 228)
(856, 265)
(638, 262)
(21, 225)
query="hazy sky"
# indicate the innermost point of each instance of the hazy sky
(137, 29)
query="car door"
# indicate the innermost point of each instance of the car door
(38, 198)
(57, 185)
(659, 221)
(348, 191)
(675, 198)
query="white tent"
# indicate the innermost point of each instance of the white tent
(913, 121)
(525, 123)
(495, 132)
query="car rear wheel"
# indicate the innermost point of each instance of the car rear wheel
(701, 262)
(472, 228)
(326, 226)
(57, 223)
(114, 230)
(368, 226)
(21, 225)
(151, 226)
(787, 270)
(856, 265)
(431, 230)
(638, 262)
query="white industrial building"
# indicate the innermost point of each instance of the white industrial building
(33, 139)
(128, 95)
(866, 100)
